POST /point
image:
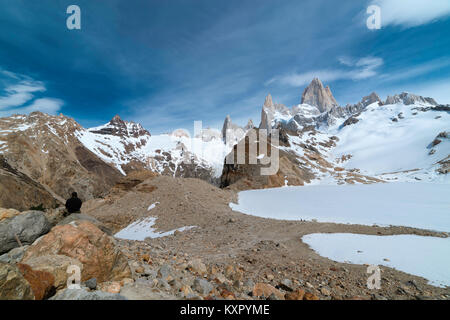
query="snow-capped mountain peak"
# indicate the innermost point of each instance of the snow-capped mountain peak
(119, 127)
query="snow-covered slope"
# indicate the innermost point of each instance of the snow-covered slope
(165, 153)
(395, 142)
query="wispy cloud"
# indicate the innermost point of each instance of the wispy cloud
(412, 72)
(355, 69)
(412, 13)
(18, 95)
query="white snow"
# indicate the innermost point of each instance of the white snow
(379, 146)
(152, 206)
(111, 149)
(419, 205)
(427, 257)
(141, 229)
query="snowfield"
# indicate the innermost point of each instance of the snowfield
(379, 145)
(427, 257)
(143, 228)
(418, 205)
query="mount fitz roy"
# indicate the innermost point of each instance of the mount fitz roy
(406, 137)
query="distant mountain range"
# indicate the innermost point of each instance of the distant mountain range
(43, 158)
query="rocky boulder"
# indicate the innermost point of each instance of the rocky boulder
(83, 241)
(13, 285)
(56, 265)
(22, 229)
(41, 282)
(266, 290)
(85, 217)
(14, 256)
(8, 213)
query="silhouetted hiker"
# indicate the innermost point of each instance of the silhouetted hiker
(73, 205)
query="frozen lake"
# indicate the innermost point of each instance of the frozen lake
(419, 205)
(427, 257)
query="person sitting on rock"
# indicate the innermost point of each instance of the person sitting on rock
(73, 205)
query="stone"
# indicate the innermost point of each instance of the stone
(162, 284)
(202, 286)
(249, 283)
(233, 273)
(113, 287)
(8, 213)
(83, 294)
(164, 272)
(286, 285)
(146, 258)
(310, 296)
(220, 278)
(14, 256)
(270, 277)
(56, 265)
(139, 270)
(325, 291)
(13, 285)
(197, 266)
(41, 282)
(266, 290)
(85, 242)
(143, 291)
(91, 283)
(273, 296)
(126, 281)
(186, 290)
(26, 227)
(54, 216)
(85, 217)
(295, 295)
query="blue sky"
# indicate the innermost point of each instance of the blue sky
(168, 63)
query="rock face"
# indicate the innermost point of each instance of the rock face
(268, 112)
(44, 153)
(26, 227)
(318, 96)
(235, 133)
(85, 242)
(243, 176)
(13, 285)
(249, 125)
(372, 98)
(56, 265)
(19, 191)
(409, 98)
(121, 128)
